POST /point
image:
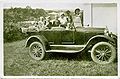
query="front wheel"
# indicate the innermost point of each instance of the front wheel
(103, 53)
(36, 51)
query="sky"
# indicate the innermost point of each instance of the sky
(52, 4)
(45, 5)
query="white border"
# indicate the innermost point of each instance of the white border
(62, 1)
(118, 30)
(65, 1)
(65, 77)
(1, 39)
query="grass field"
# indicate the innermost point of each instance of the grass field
(18, 63)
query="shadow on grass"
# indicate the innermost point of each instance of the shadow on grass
(82, 56)
(69, 56)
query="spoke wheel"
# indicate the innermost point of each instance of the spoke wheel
(103, 53)
(36, 51)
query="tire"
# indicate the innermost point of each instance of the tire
(37, 51)
(103, 53)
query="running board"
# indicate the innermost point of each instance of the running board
(63, 51)
(67, 47)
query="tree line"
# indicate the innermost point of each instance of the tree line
(14, 15)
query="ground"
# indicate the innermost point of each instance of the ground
(17, 62)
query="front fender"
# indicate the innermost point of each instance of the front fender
(99, 38)
(38, 38)
(103, 37)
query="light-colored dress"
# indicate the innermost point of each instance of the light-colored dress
(77, 21)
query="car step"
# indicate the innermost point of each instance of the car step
(63, 51)
(67, 47)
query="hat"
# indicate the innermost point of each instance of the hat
(77, 9)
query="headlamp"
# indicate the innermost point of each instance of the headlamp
(106, 31)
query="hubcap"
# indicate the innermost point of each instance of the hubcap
(103, 53)
(36, 50)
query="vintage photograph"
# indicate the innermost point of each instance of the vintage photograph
(60, 39)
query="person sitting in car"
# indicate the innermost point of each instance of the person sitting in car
(34, 27)
(56, 22)
(69, 16)
(41, 23)
(69, 19)
(77, 18)
(63, 20)
(48, 23)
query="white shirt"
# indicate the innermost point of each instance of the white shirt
(63, 20)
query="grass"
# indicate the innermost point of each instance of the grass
(17, 62)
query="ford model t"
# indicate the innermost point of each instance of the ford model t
(101, 44)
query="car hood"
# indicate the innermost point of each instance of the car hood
(91, 29)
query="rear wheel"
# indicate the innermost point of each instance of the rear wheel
(103, 53)
(36, 51)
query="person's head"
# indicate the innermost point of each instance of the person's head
(77, 11)
(48, 18)
(62, 15)
(37, 19)
(41, 18)
(56, 17)
(68, 12)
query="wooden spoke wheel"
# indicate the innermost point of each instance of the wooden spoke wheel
(36, 51)
(103, 53)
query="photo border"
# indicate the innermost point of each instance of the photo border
(76, 1)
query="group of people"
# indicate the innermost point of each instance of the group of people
(65, 20)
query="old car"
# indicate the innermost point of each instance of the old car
(99, 41)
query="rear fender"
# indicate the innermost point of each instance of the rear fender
(38, 38)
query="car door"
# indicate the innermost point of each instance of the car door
(67, 37)
(80, 36)
(53, 36)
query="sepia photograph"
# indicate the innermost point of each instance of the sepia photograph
(60, 39)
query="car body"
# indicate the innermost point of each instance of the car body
(76, 40)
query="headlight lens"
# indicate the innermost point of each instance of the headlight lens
(106, 32)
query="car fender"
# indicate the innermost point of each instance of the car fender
(38, 38)
(114, 36)
(98, 38)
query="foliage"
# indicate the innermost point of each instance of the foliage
(14, 15)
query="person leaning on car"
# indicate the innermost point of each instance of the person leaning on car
(69, 16)
(69, 19)
(77, 18)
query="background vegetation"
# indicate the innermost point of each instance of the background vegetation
(14, 15)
